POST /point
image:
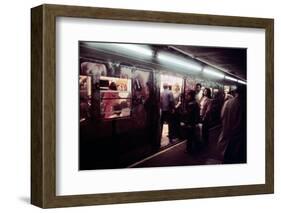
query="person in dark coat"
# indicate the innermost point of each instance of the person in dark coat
(191, 119)
(167, 105)
(151, 108)
(212, 114)
(232, 140)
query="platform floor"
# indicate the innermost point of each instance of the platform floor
(176, 155)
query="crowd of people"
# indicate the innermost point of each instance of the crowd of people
(192, 118)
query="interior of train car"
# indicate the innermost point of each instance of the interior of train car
(122, 108)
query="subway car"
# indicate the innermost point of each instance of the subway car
(120, 86)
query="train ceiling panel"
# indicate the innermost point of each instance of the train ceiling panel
(232, 60)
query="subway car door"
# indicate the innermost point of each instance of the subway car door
(145, 113)
(171, 129)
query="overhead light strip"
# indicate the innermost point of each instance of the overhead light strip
(165, 58)
(242, 82)
(213, 72)
(230, 78)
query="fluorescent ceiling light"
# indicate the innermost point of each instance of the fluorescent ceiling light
(179, 61)
(213, 72)
(127, 49)
(230, 78)
(141, 49)
(242, 82)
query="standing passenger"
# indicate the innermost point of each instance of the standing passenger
(198, 92)
(212, 114)
(151, 108)
(205, 101)
(175, 120)
(191, 119)
(228, 96)
(204, 104)
(167, 108)
(232, 140)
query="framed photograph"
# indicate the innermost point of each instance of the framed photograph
(136, 106)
